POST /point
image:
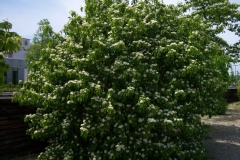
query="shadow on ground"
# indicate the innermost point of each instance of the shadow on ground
(225, 143)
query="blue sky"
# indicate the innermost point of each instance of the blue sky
(25, 14)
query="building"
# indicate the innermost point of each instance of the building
(17, 64)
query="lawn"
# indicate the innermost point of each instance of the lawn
(10, 87)
(234, 106)
(27, 157)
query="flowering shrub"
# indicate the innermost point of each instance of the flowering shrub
(126, 82)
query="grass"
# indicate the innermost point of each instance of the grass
(233, 111)
(10, 87)
(30, 156)
(234, 106)
(232, 115)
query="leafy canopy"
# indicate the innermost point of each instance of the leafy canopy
(129, 81)
(44, 37)
(9, 42)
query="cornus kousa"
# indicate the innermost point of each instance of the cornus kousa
(129, 80)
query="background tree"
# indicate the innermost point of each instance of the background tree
(44, 37)
(9, 43)
(127, 82)
(227, 18)
(3, 68)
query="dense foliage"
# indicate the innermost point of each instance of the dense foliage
(9, 42)
(3, 68)
(10, 87)
(44, 37)
(127, 82)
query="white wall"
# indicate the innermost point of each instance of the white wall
(22, 52)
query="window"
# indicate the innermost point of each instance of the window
(5, 75)
(15, 75)
(26, 43)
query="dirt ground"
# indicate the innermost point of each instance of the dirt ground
(225, 142)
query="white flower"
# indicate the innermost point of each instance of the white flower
(120, 147)
(69, 102)
(145, 140)
(177, 119)
(151, 120)
(104, 102)
(165, 139)
(121, 126)
(167, 121)
(110, 107)
(130, 88)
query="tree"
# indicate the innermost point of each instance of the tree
(3, 68)
(44, 37)
(127, 82)
(9, 42)
(227, 18)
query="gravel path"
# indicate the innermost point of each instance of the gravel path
(225, 142)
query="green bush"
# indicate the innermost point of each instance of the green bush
(221, 110)
(3, 68)
(238, 90)
(10, 87)
(126, 82)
